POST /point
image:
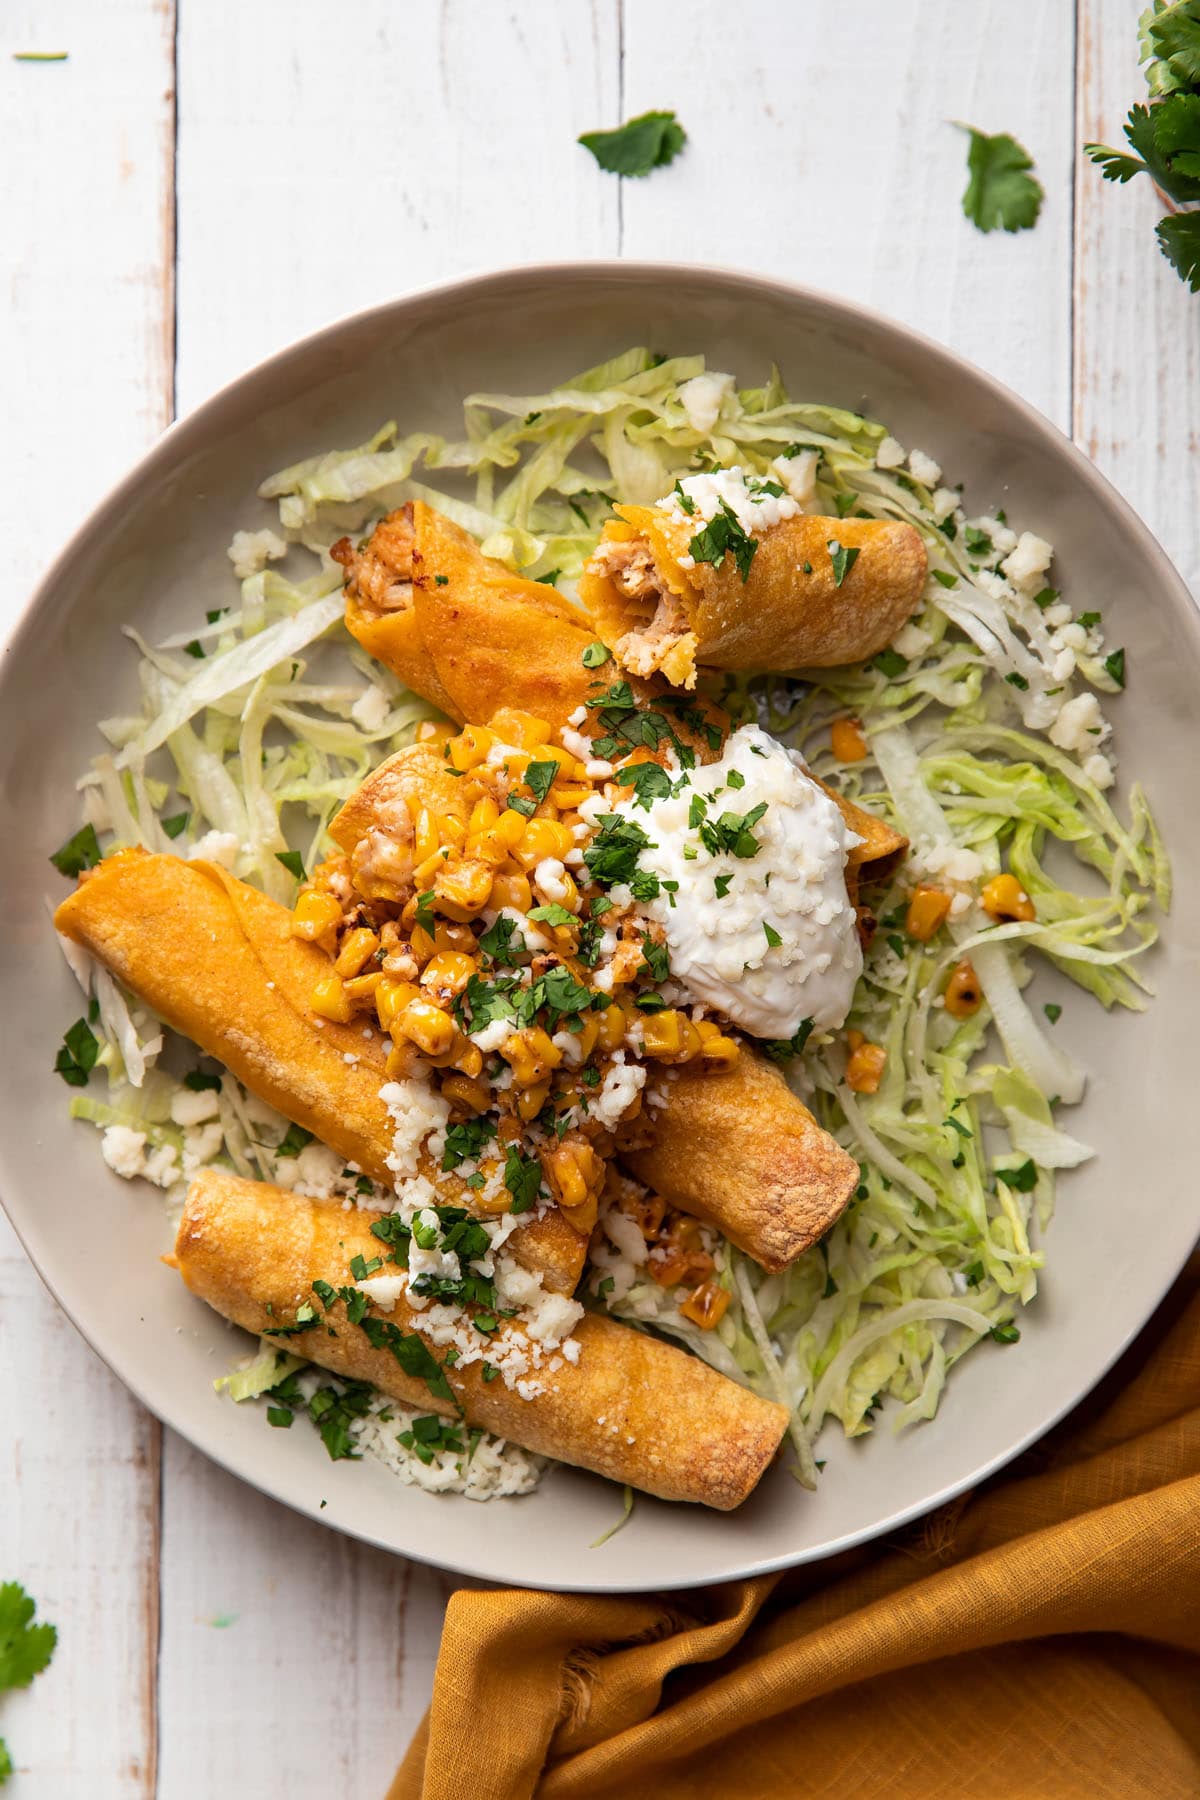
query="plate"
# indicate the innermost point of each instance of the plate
(154, 555)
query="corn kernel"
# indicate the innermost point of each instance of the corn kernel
(964, 996)
(462, 889)
(510, 827)
(316, 918)
(662, 1033)
(864, 1071)
(485, 812)
(576, 1175)
(542, 838)
(469, 1061)
(424, 872)
(531, 1100)
(706, 1305)
(467, 1094)
(425, 836)
(434, 732)
(471, 747)
(1003, 897)
(846, 740)
(530, 1054)
(487, 846)
(329, 1000)
(718, 1049)
(449, 936)
(357, 949)
(513, 891)
(403, 1061)
(421, 944)
(451, 830)
(449, 971)
(568, 794)
(391, 997)
(426, 1026)
(513, 727)
(613, 1026)
(361, 989)
(927, 912)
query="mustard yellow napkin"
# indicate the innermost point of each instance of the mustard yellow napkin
(1040, 1637)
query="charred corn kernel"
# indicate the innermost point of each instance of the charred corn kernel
(531, 1100)
(466, 1093)
(448, 936)
(510, 827)
(316, 918)
(575, 1173)
(469, 1061)
(864, 1071)
(485, 812)
(1004, 898)
(512, 890)
(964, 996)
(663, 1034)
(612, 1028)
(586, 1038)
(448, 969)
(361, 989)
(425, 836)
(434, 731)
(462, 889)
(530, 1055)
(403, 1061)
(927, 912)
(513, 727)
(451, 830)
(566, 795)
(357, 948)
(421, 944)
(426, 1026)
(846, 740)
(329, 1000)
(706, 1305)
(391, 997)
(471, 747)
(487, 846)
(542, 838)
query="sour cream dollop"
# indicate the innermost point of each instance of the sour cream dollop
(795, 884)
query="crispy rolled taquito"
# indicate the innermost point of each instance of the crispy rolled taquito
(460, 629)
(741, 1151)
(631, 1408)
(216, 959)
(796, 608)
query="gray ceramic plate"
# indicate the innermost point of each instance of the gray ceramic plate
(154, 553)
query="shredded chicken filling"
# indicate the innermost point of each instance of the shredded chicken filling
(661, 620)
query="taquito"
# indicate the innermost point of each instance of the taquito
(460, 629)
(801, 604)
(217, 961)
(631, 1408)
(742, 1151)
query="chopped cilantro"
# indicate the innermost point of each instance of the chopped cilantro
(293, 1141)
(539, 777)
(522, 1178)
(199, 1082)
(772, 936)
(783, 1049)
(292, 862)
(612, 855)
(595, 654)
(553, 914)
(890, 663)
(843, 560)
(1088, 619)
(685, 500)
(411, 1352)
(77, 1056)
(503, 943)
(1115, 666)
(977, 542)
(733, 833)
(78, 853)
(1017, 681)
(1023, 1178)
(722, 534)
(1005, 1334)
(522, 804)
(1053, 1011)
(360, 1268)
(721, 885)
(655, 958)
(424, 910)
(649, 780)
(1045, 597)
(196, 649)
(947, 581)
(465, 1141)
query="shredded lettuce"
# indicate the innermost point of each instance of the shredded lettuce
(260, 721)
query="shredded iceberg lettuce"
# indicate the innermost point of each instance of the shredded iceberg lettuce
(986, 740)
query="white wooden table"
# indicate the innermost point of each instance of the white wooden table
(204, 180)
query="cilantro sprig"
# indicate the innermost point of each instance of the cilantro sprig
(724, 534)
(1164, 136)
(25, 1648)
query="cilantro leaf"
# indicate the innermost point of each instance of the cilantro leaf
(78, 853)
(1179, 240)
(1114, 165)
(1000, 190)
(293, 1141)
(772, 936)
(649, 780)
(595, 654)
(538, 778)
(783, 1049)
(553, 914)
(177, 823)
(199, 1082)
(1170, 35)
(612, 855)
(1115, 666)
(497, 942)
(650, 141)
(292, 862)
(724, 533)
(25, 1648)
(522, 1178)
(890, 663)
(411, 1352)
(1023, 1178)
(843, 561)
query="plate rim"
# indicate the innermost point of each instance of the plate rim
(174, 441)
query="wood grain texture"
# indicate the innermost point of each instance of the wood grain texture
(329, 158)
(828, 156)
(86, 255)
(1137, 328)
